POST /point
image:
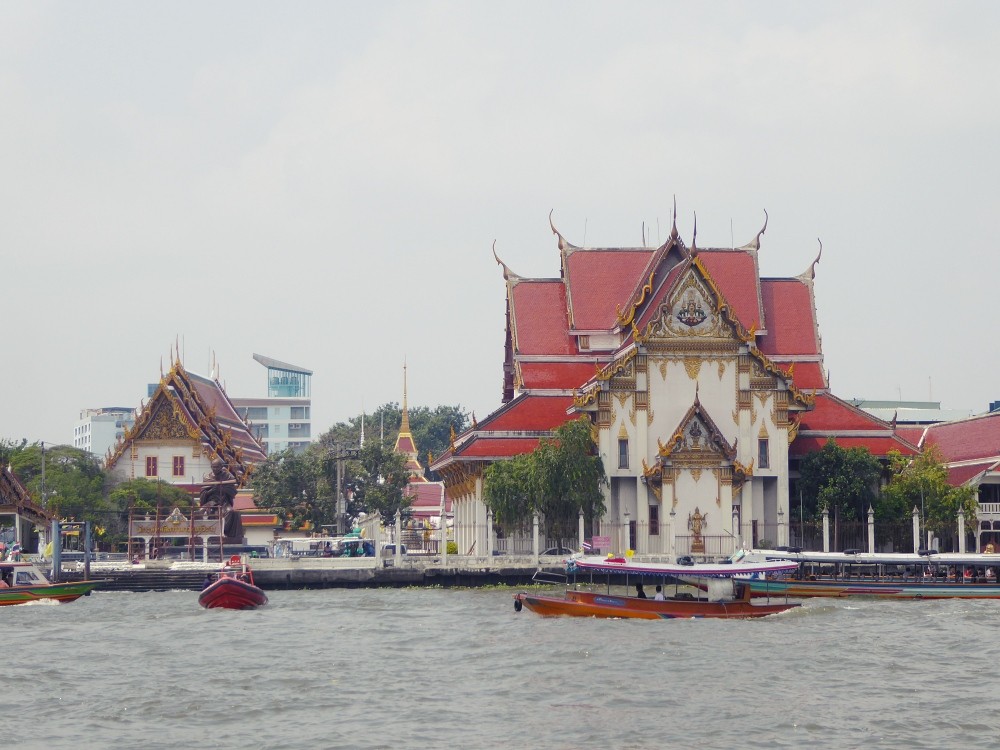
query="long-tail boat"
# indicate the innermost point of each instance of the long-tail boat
(725, 595)
(926, 574)
(21, 582)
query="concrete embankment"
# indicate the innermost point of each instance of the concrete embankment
(308, 573)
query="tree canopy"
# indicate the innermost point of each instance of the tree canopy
(561, 477)
(921, 482)
(844, 481)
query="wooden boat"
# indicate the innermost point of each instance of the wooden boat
(22, 582)
(922, 575)
(233, 588)
(726, 597)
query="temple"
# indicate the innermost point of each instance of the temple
(188, 424)
(704, 384)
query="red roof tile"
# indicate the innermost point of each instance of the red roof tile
(977, 437)
(557, 375)
(832, 413)
(878, 446)
(540, 318)
(600, 280)
(806, 375)
(483, 447)
(788, 313)
(959, 475)
(529, 412)
(735, 273)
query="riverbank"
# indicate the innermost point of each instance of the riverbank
(313, 572)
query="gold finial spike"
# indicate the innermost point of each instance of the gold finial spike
(405, 424)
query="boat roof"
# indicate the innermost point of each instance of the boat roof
(694, 570)
(857, 557)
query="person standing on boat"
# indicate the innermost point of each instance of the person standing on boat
(659, 597)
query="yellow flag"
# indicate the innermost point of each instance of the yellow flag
(48, 550)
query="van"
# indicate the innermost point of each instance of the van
(389, 550)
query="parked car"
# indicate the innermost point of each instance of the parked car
(389, 550)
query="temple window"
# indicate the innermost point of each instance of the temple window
(623, 453)
(654, 520)
(763, 454)
(151, 470)
(178, 466)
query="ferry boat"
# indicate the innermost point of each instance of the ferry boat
(233, 588)
(21, 582)
(726, 596)
(926, 574)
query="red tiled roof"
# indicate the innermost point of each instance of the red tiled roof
(735, 273)
(601, 279)
(540, 317)
(404, 443)
(977, 437)
(426, 498)
(877, 446)
(651, 307)
(556, 375)
(959, 475)
(485, 447)
(529, 412)
(832, 413)
(806, 375)
(911, 434)
(788, 312)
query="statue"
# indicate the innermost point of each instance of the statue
(696, 522)
(219, 491)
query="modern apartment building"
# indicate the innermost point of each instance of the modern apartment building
(283, 419)
(98, 430)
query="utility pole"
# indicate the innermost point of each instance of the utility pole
(342, 453)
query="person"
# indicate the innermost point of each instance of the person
(207, 582)
(990, 575)
(639, 592)
(659, 594)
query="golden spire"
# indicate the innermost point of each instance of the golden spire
(405, 425)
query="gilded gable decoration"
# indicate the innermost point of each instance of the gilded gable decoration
(689, 312)
(622, 432)
(692, 365)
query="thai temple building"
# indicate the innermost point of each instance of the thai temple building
(427, 498)
(23, 522)
(189, 422)
(704, 384)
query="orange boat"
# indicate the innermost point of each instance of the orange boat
(726, 587)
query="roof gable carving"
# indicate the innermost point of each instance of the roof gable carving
(697, 434)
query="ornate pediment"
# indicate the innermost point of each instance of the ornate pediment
(165, 424)
(697, 437)
(690, 311)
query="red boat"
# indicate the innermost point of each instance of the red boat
(233, 588)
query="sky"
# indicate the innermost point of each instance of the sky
(323, 183)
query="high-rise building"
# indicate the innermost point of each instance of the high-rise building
(283, 419)
(98, 430)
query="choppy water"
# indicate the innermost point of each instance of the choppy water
(460, 669)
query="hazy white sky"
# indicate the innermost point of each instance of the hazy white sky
(322, 183)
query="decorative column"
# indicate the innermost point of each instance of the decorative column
(671, 537)
(782, 528)
(444, 531)
(580, 529)
(916, 529)
(626, 533)
(826, 529)
(871, 530)
(961, 531)
(399, 538)
(534, 536)
(491, 533)
(736, 528)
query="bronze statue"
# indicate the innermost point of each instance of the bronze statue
(219, 491)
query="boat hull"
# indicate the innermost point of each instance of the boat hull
(880, 589)
(60, 592)
(589, 604)
(230, 593)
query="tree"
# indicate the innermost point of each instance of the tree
(140, 495)
(561, 477)
(921, 482)
(842, 480)
(379, 484)
(74, 482)
(294, 486)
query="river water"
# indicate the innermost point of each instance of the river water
(459, 669)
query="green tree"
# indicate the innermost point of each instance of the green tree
(842, 480)
(561, 477)
(921, 482)
(141, 496)
(293, 484)
(74, 482)
(379, 481)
